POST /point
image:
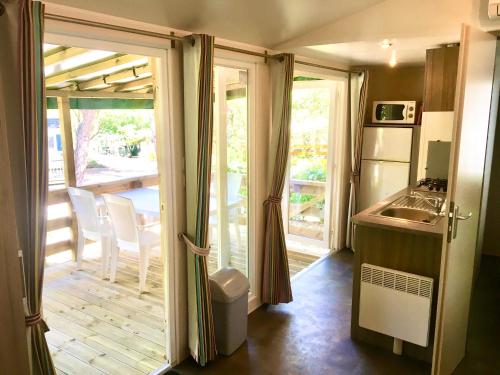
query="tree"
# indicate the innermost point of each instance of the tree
(85, 131)
(131, 128)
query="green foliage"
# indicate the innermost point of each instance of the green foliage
(94, 164)
(310, 169)
(299, 198)
(310, 104)
(310, 123)
(132, 128)
(133, 149)
(237, 137)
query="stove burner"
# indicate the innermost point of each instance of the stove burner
(437, 184)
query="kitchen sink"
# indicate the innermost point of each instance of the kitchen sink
(414, 208)
(412, 214)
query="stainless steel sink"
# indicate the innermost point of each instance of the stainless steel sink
(410, 208)
(412, 214)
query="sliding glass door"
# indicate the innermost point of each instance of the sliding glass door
(228, 232)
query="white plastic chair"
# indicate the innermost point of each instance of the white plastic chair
(91, 226)
(129, 235)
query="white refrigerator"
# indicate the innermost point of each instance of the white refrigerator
(385, 163)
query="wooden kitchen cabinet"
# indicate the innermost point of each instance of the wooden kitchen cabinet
(440, 79)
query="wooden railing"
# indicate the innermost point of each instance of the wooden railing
(61, 196)
(314, 188)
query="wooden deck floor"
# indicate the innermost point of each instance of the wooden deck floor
(98, 327)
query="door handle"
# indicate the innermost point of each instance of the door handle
(460, 217)
(457, 216)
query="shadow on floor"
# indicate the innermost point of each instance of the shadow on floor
(311, 335)
(483, 345)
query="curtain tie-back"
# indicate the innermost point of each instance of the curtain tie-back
(202, 251)
(273, 199)
(354, 175)
(32, 320)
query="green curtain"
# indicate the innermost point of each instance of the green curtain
(198, 125)
(276, 276)
(33, 132)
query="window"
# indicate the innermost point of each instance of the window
(228, 232)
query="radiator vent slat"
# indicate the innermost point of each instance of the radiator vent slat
(425, 288)
(377, 276)
(400, 281)
(366, 274)
(389, 278)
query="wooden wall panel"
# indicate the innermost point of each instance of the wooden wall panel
(440, 79)
(398, 83)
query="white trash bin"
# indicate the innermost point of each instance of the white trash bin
(229, 289)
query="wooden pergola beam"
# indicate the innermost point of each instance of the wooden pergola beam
(63, 55)
(53, 51)
(97, 94)
(136, 72)
(134, 85)
(108, 63)
(145, 90)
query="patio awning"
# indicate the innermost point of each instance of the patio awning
(73, 69)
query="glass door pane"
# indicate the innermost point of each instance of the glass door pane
(308, 160)
(228, 224)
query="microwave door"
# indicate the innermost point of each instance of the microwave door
(385, 112)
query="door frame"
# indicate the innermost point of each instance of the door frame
(166, 151)
(335, 159)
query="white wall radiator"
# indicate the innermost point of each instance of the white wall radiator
(395, 303)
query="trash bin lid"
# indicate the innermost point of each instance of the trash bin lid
(228, 284)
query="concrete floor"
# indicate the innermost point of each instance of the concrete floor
(311, 335)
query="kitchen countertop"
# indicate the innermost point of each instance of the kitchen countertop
(366, 218)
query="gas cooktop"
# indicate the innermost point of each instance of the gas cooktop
(433, 184)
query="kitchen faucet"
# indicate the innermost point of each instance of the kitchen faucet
(435, 202)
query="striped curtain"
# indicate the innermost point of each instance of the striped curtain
(198, 125)
(276, 276)
(358, 91)
(13, 345)
(34, 134)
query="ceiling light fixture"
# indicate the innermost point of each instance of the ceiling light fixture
(393, 61)
(385, 44)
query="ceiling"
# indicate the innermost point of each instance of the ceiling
(410, 51)
(344, 31)
(265, 23)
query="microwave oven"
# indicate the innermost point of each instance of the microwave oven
(394, 112)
